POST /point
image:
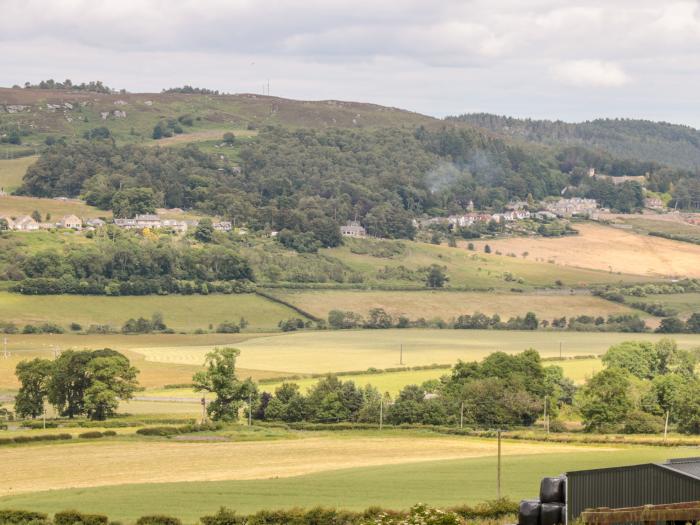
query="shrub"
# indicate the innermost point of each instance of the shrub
(76, 327)
(158, 519)
(638, 422)
(91, 435)
(73, 517)
(22, 517)
(158, 431)
(557, 425)
(109, 433)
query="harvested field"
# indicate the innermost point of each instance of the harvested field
(606, 248)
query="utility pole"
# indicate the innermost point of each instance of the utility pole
(546, 418)
(498, 473)
(381, 412)
(401, 354)
(250, 409)
(461, 415)
(668, 413)
(5, 354)
(204, 408)
(560, 356)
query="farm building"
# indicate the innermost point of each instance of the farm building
(564, 498)
(676, 481)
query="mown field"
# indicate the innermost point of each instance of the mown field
(662, 224)
(605, 248)
(347, 471)
(180, 312)
(12, 171)
(16, 206)
(447, 305)
(474, 269)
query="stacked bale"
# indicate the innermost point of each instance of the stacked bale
(550, 509)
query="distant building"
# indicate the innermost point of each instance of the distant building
(70, 221)
(175, 225)
(10, 222)
(94, 223)
(125, 223)
(353, 229)
(148, 221)
(654, 203)
(223, 226)
(26, 224)
(574, 206)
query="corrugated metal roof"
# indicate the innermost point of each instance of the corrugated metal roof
(687, 466)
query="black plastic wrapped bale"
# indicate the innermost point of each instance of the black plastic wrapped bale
(529, 513)
(551, 514)
(552, 490)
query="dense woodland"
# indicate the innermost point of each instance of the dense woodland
(307, 181)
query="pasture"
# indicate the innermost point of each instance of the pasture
(605, 248)
(351, 472)
(448, 304)
(470, 269)
(181, 312)
(684, 304)
(15, 206)
(12, 171)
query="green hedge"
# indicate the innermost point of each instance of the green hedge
(158, 519)
(23, 517)
(31, 439)
(166, 431)
(73, 517)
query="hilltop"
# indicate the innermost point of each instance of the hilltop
(641, 140)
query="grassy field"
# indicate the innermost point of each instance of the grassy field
(609, 249)
(12, 171)
(447, 305)
(16, 206)
(461, 479)
(181, 312)
(662, 224)
(684, 304)
(470, 269)
(334, 351)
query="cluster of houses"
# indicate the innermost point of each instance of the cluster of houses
(26, 223)
(575, 206)
(154, 222)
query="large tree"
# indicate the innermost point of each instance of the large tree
(605, 400)
(219, 378)
(33, 377)
(112, 379)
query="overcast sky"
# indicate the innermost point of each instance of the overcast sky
(537, 58)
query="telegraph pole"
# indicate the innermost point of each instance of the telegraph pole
(498, 473)
(560, 356)
(250, 409)
(401, 354)
(381, 412)
(461, 415)
(546, 419)
(5, 354)
(668, 413)
(204, 408)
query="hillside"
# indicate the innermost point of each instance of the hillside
(642, 140)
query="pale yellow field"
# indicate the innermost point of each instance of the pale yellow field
(199, 136)
(600, 247)
(335, 351)
(12, 171)
(447, 305)
(112, 463)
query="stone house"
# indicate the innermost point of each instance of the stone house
(353, 229)
(70, 221)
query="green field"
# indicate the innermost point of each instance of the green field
(12, 171)
(181, 312)
(684, 304)
(15, 206)
(472, 270)
(440, 483)
(447, 304)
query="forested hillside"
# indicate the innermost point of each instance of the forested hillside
(642, 140)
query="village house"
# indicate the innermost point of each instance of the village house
(9, 221)
(573, 206)
(127, 224)
(148, 220)
(26, 224)
(175, 225)
(223, 226)
(70, 221)
(353, 229)
(654, 203)
(94, 223)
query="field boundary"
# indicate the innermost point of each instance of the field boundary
(301, 311)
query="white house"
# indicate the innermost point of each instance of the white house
(70, 221)
(26, 224)
(353, 229)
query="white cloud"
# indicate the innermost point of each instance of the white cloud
(590, 73)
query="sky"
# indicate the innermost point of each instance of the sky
(555, 59)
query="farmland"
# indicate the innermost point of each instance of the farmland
(15, 206)
(447, 305)
(609, 249)
(351, 471)
(181, 312)
(12, 171)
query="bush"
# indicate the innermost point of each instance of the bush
(73, 517)
(109, 433)
(158, 519)
(91, 435)
(638, 422)
(22, 517)
(158, 431)
(557, 425)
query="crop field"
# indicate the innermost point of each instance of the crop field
(609, 249)
(12, 171)
(15, 206)
(474, 269)
(671, 225)
(351, 472)
(447, 305)
(180, 312)
(335, 351)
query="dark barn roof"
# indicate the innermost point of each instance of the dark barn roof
(675, 481)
